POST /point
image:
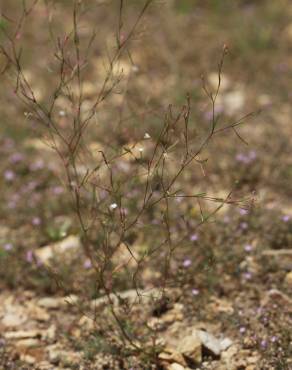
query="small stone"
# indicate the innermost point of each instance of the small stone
(191, 347)
(57, 302)
(214, 345)
(50, 333)
(288, 279)
(13, 319)
(44, 365)
(86, 323)
(64, 357)
(28, 343)
(170, 355)
(45, 254)
(209, 342)
(49, 302)
(175, 366)
(221, 305)
(225, 344)
(22, 334)
(38, 313)
(175, 314)
(28, 359)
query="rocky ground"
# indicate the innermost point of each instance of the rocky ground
(227, 302)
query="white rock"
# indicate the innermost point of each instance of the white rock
(13, 319)
(49, 302)
(46, 253)
(170, 355)
(37, 313)
(191, 347)
(130, 295)
(175, 366)
(50, 333)
(28, 343)
(233, 102)
(28, 359)
(57, 302)
(22, 334)
(214, 345)
(225, 343)
(288, 278)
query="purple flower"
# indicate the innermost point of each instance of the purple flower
(194, 237)
(243, 212)
(195, 292)
(243, 225)
(87, 264)
(36, 221)
(187, 263)
(37, 165)
(9, 175)
(242, 330)
(286, 218)
(16, 157)
(8, 246)
(247, 275)
(57, 190)
(248, 248)
(241, 158)
(29, 256)
(246, 158)
(264, 344)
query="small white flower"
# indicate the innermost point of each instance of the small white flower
(62, 113)
(141, 150)
(147, 136)
(113, 206)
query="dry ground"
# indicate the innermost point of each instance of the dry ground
(231, 278)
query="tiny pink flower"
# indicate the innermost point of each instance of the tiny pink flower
(16, 157)
(37, 165)
(36, 221)
(247, 275)
(29, 256)
(57, 190)
(9, 175)
(286, 218)
(194, 237)
(242, 330)
(8, 246)
(87, 264)
(195, 292)
(243, 225)
(248, 248)
(187, 263)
